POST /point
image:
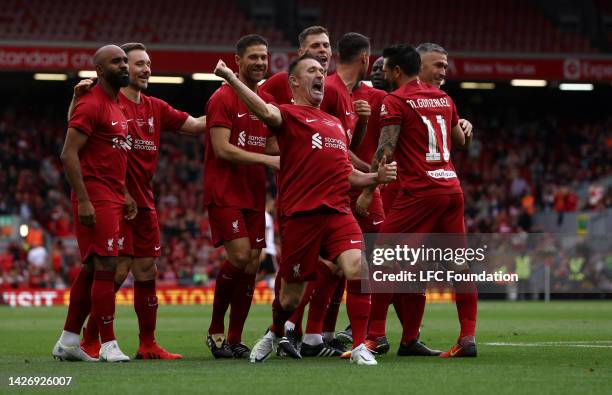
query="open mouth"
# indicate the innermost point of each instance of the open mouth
(317, 86)
(322, 59)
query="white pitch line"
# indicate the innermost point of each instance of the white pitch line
(583, 344)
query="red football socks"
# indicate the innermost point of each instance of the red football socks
(358, 309)
(103, 303)
(378, 315)
(397, 305)
(331, 317)
(279, 316)
(413, 307)
(298, 315)
(466, 299)
(145, 305)
(224, 289)
(241, 304)
(91, 333)
(80, 301)
(323, 288)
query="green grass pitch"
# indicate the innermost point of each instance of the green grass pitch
(561, 348)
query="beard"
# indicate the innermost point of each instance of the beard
(118, 80)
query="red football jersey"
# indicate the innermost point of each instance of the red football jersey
(104, 157)
(229, 184)
(314, 166)
(277, 86)
(338, 102)
(374, 97)
(145, 121)
(426, 116)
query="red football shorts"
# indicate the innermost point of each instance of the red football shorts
(139, 237)
(425, 214)
(103, 238)
(376, 214)
(307, 236)
(230, 223)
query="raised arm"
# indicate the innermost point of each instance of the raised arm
(268, 113)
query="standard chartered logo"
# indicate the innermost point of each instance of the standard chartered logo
(242, 138)
(316, 141)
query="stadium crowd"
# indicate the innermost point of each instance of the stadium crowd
(508, 174)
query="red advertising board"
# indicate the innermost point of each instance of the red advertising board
(65, 59)
(165, 295)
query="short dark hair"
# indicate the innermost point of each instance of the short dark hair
(297, 61)
(128, 47)
(351, 45)
(404, 56)
(431, 47)
(248, 41)
(311, 31)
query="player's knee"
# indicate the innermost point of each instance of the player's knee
(120, 276)
(289, 301)
(144, 269)
(241, 258)
(105, 263)
(252, 267)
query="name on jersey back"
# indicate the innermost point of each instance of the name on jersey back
(429, 103)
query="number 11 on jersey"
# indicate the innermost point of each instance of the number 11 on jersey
(433, 155)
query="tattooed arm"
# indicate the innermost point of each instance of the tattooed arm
(386, 147)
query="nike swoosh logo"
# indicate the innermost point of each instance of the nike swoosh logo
(259, 240)
(310, 120)
(226, 277)
(348, 112)
(377, 222)
(114, 122)
(107, 322)
(355, 241)
(129, 120)
(454, 352)
(241, 115)
(158, 248)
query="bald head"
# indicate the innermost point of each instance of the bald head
(112, 66)
(105, 53)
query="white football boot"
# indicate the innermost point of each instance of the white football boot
(264, 347)
(110, 352)
(362, 356)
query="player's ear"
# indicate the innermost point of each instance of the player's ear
(293, 80)
(99, 70)
(237, 59)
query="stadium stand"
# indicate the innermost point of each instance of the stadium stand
(508, 26)
(184, 22)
